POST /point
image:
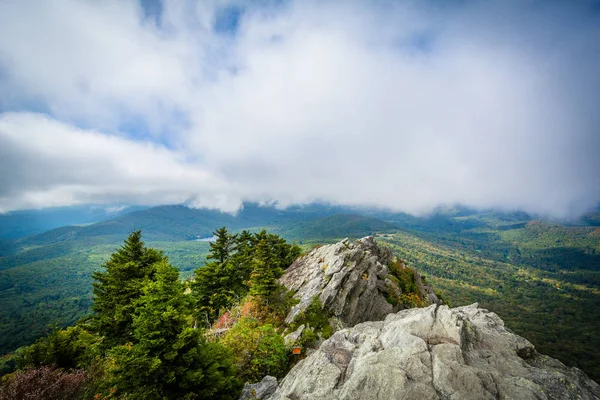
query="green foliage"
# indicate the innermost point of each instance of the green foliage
(189, 367)
(308, 338)
(314, 317)
(262, 280)
(36, 295)
(167, 358)
(277, 306)
(70, 348)
(217, 285)
(158, 355)
(250, 263)
(117, 289)
(501, 260)
(405, 278)
(280, 253)
(223, 246)
(212, 289)
(258, 350)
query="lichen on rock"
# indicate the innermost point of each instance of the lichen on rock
(352, 282)
(433, 353)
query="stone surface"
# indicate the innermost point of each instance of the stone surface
(260, 390)
(432, 353)
(290, 339)
(351, 280)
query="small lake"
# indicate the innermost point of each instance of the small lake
(208, 239)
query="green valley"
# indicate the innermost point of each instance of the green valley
(542, 278)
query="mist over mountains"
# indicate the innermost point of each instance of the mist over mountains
(403, 105)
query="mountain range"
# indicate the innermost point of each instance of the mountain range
(542, 277)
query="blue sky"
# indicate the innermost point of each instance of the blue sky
(407, 105)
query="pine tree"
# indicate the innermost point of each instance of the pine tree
(239, 266)
(262, 280)
(212, 289)
(118, 287)
(282, 254)
(217, 285)
(223, 246)
(169, 359)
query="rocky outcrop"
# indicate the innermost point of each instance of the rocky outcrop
(432, 353)
(260, 390)
(352, 281)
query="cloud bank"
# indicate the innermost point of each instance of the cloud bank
(402, 105)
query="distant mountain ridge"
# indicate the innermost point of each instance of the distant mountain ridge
(18, 224)
(539, 276)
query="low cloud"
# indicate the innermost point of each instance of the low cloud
(407, 106)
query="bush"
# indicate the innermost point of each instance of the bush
(307, 339)
(69, 348)
(404, 277)
(257, 350)
(276, 306)
(315, 317)
(42, 384)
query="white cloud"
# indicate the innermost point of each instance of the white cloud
(401, 105)
(55, 164)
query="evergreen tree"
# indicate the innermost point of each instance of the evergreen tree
(169, 359)
(245, 243)
(212, 290)
(262, 280)
(239, 266)
(223, 246)
(282, 254)
(118, 287)
(222, 282)
(216, 285)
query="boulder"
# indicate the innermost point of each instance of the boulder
(432, 353)
(260, 390)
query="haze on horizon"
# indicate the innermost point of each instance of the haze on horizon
(407, 105)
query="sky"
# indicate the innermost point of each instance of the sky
(402, 105)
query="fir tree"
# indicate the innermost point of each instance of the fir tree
(118, 287)
(262, 280)
(217, 284)
(213, 290)
(169, 359)
(223, 246)
(239, 263)
(239, 266)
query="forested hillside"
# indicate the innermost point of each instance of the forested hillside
(146, 336)
(45, 279)
(543, 278)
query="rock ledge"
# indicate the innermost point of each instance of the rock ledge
(432, 353)
(351, 280)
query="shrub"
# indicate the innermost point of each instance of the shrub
(404, 277)
(43, 383)
(315, 317)
(257, 350)
(69, 348)
(307, 339)
(276, 307)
